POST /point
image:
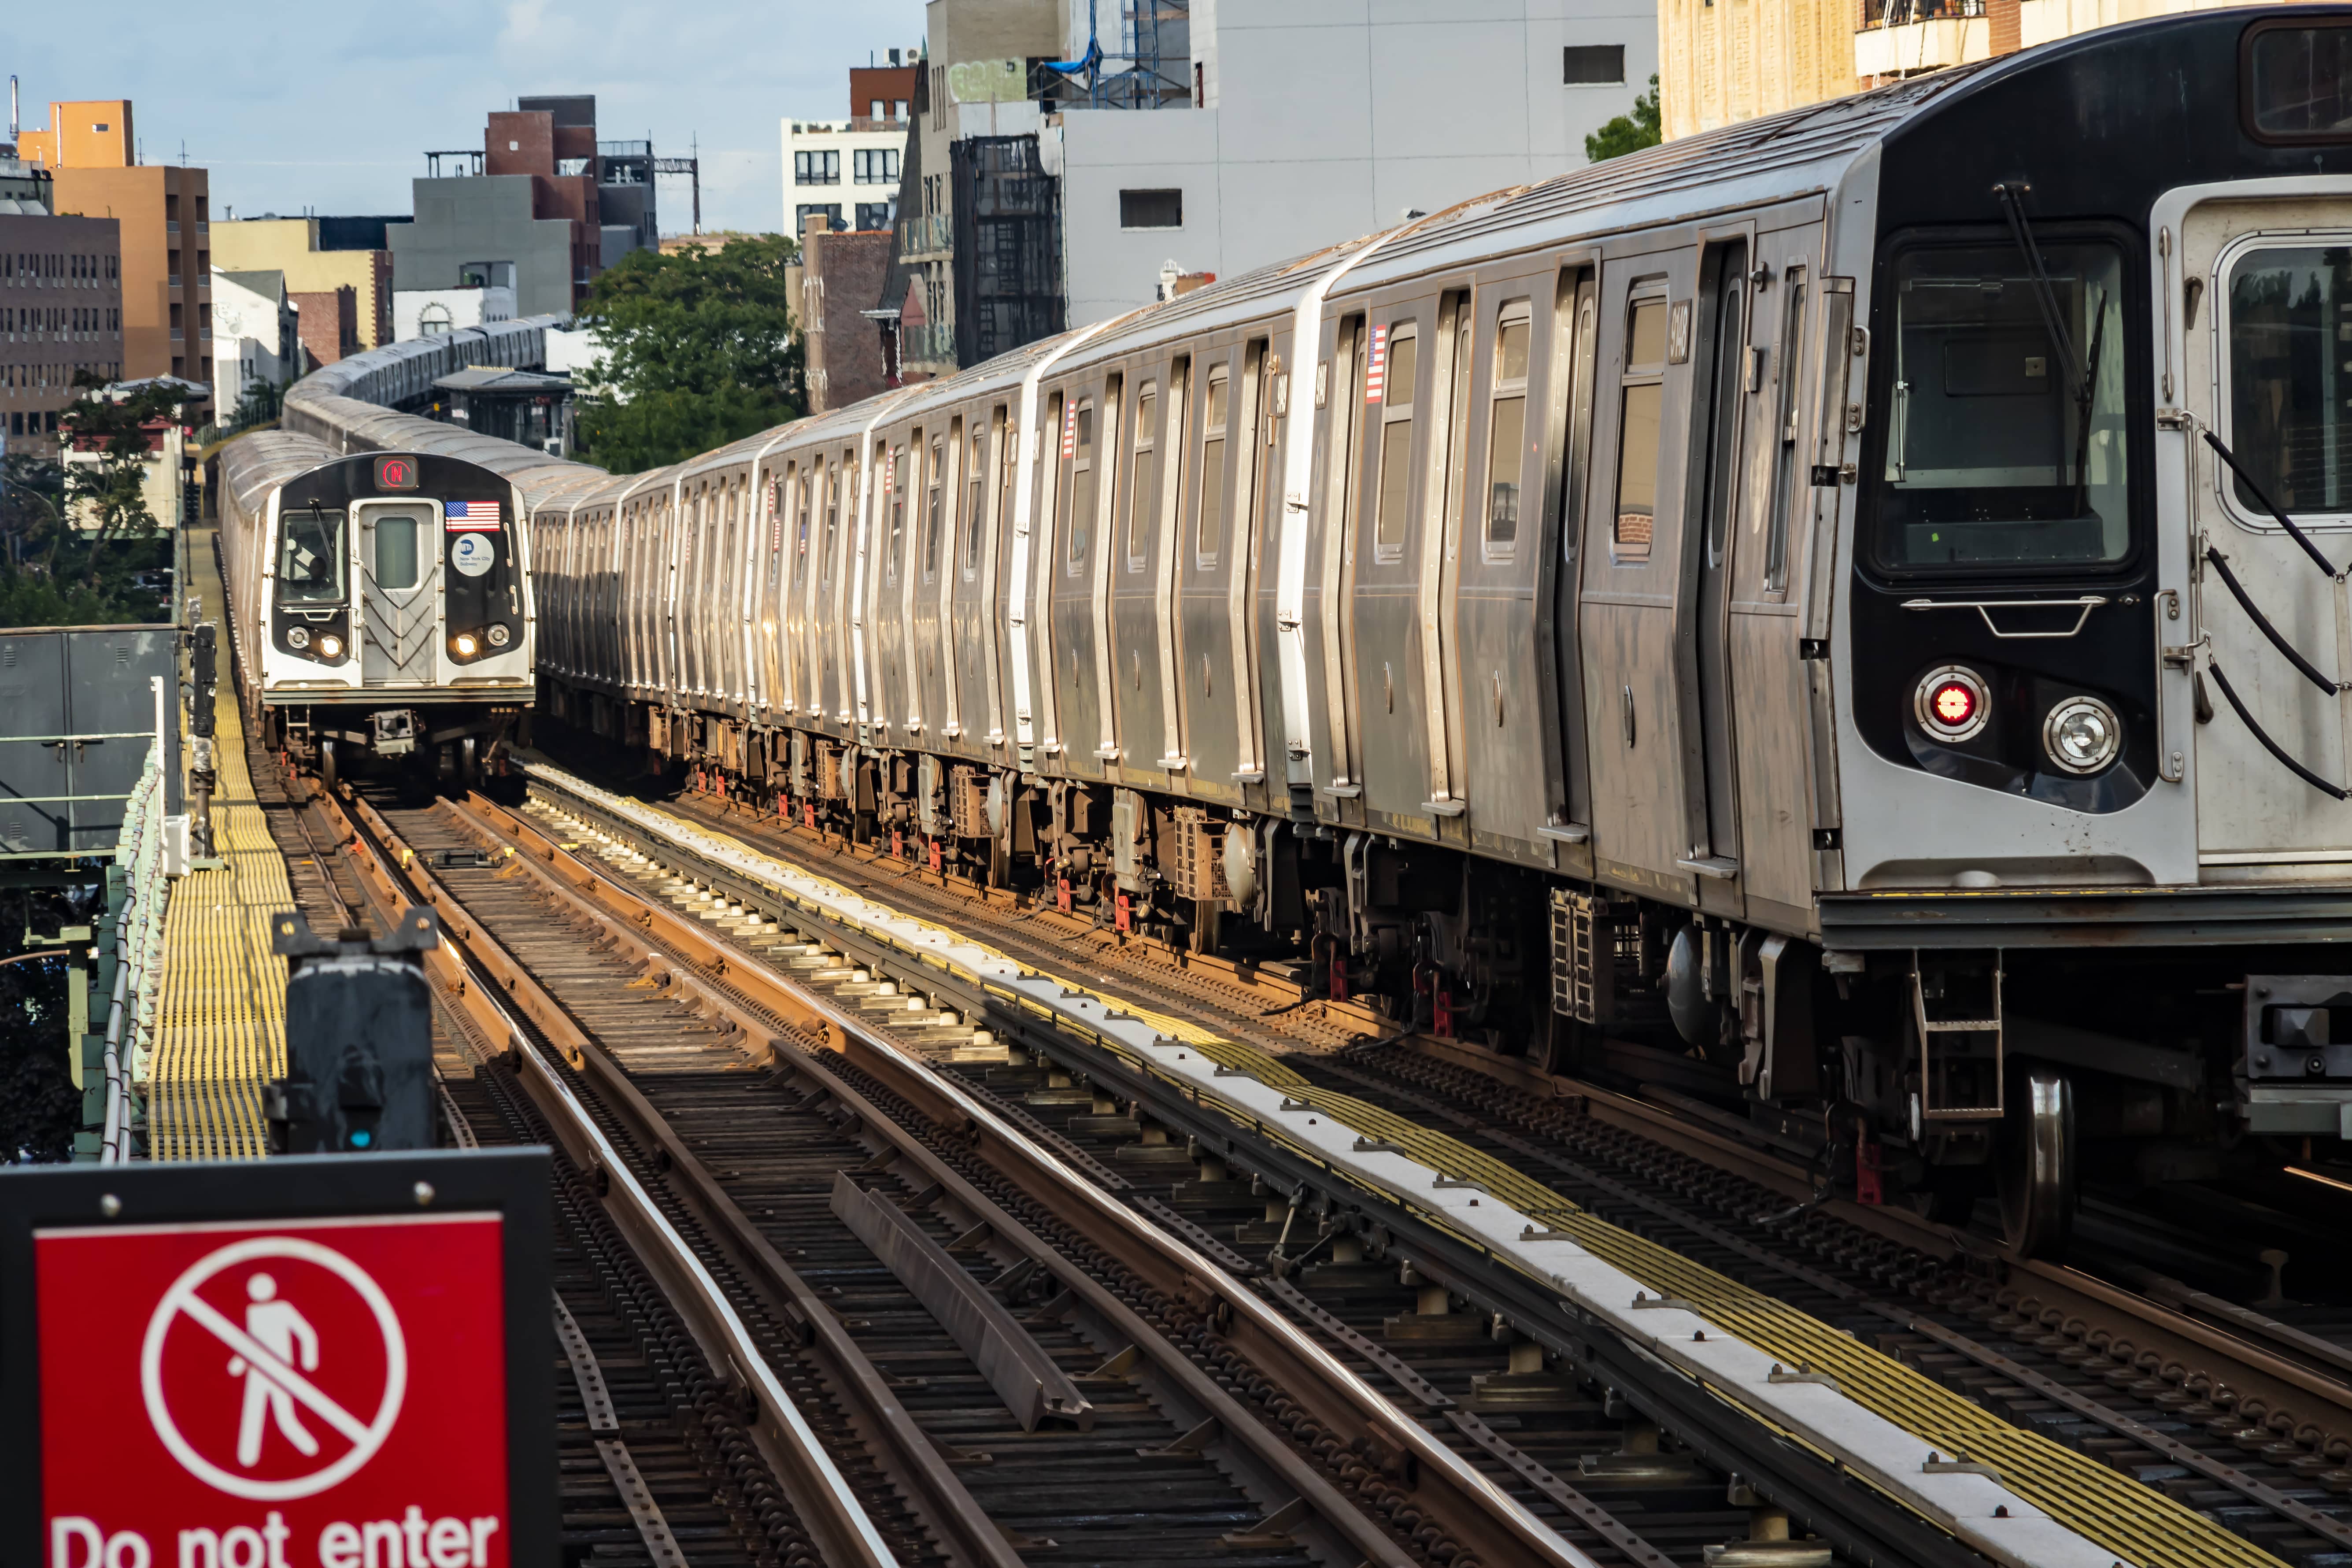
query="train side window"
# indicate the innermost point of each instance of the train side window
(1507, 430)
(931, 511)
(1079, 520)
(1008, 469)
(395, 549)
(1389, 381)
(310, 556)
(897, 478)
(1209, 537)
(1641, 401)
(831, 522)
(1143, 481)
(1787, 476)
(977, 468)
(802, 484)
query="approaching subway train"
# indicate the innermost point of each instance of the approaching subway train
(380, 604)
(1835, 618)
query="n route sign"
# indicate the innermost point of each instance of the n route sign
(334, 1362)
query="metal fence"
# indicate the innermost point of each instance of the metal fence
(137, 951)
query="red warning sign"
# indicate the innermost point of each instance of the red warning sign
(327, 1394)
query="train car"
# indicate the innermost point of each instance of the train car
(380, 604)
(1834, 621)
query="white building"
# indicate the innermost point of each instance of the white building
(1306, 125)
(430, 312)
(257, 336)
(845, 169)
(570, 350)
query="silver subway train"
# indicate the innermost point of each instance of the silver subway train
(1833, 620)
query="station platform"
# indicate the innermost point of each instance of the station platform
(221, 1015)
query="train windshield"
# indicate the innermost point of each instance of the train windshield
(2290, 318)
(310, 556)
(2005, 429)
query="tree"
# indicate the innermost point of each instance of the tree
(107, 494)
(1628, 133)
(698, 352)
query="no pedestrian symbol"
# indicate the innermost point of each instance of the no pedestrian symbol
(323, 1393)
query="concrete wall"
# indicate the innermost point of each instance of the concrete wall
(485, 218)
(1330, 119)
(458, 308)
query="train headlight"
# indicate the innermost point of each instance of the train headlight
(466, 645)
(298, 636)
(498, 635)
(1951, 704)
(330, 648)
(2082, 734)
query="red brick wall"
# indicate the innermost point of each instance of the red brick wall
(851, 268)
(330, 323)
(521, 143)
(892, 84)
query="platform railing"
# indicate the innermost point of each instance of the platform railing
(137, 947)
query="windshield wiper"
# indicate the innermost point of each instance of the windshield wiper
(2083, 378)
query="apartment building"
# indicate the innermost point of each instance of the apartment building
(846, 171)
(60, 311)
(163, 213)
(255, 336)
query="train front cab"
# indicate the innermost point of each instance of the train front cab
(2099, 732)
(398, 619)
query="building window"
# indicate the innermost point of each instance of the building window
(1593, 65)
(874, 165)
(898, 109)
(872, 216)
(433, 320)
(1151, 209)
(874, 109)
(830, 212)
(822, 168)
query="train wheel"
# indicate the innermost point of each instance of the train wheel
(327, 766)
(2035, 1163)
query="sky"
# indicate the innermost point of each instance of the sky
(330, 106)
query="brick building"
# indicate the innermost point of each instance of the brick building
(164, 217)
(327, 324)
(60, 310)
(305, 250)
(840, 278)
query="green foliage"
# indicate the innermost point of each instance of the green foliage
(698, 353)
(51, 575)
(1628, 133)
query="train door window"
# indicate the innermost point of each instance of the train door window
(1209, 536)
(974, 490)
(931, 512)
(2290, 317)
(1008, 470)
(1725, 390)
(1143, 483)
(1507, 430)
(396, 536)
(1788, 476)
(310, 556)
(1388, 382)
(1641, 401)
(897, 477)
(1079, 520)
(831, 522)
(802, 482)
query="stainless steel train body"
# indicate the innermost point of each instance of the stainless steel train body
(1816, 616)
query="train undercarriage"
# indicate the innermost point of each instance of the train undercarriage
(1933, 1079)
(431, 745)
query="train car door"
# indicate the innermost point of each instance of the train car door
(1323, 731)
(927, 660)
(400, 583)
(1153, 465)
(973, 646)
(1209, 705)
(1256, 682)
(1631, 566)
(1077, 677)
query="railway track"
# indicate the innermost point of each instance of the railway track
(2218, 1419)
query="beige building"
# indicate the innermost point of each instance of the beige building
(291, 246)
(1727, 60)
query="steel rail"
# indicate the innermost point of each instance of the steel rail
(824, 1499)
(1476, 1512)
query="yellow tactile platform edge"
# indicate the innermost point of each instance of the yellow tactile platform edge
(221, 1032)
(2141, 1525)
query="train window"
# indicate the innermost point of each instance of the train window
(1008, 470)
(395, 549)
(310, 556)
(1079, 448)
(1506, 427)
(831, 522)
(1143, 483)
(1209, 536)
(2005, 435)
(1641, 401)
(931, 512)
(801, 484)
(978, 468)
(2289, 319)
(1789, 477)
(897, 483)
(2296, 82)
(1390, 383)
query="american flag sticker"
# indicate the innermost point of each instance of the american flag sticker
(1378, 371)
(1070, 428)
(470, 516)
